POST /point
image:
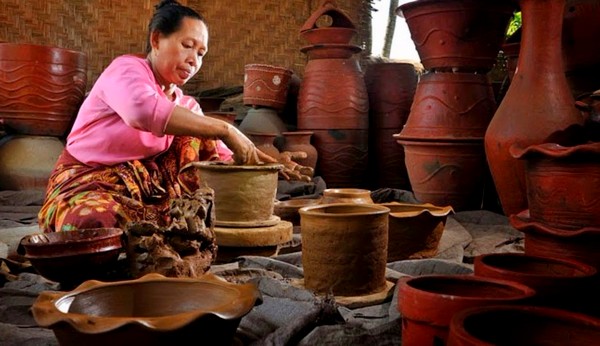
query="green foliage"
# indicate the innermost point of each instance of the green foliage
(514, 25)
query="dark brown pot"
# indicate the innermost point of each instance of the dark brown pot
(265, 143)
(451, 106)
(537, 103)
(427, 303)
(42, 88)
(522, 325)
(446, 172)
(266, 85)
(563, 184)
(457, 33)
(560, 283)
(301, 141)
(344, 248)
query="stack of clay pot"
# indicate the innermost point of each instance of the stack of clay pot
(265, 90)
(41, 88)
(244, 203)
(458, 42)
(332, 100)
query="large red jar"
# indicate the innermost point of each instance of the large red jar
(42, 88)
(537, 103)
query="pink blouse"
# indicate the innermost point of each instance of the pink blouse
(125, 115)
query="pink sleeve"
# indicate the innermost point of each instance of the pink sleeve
(128, 87)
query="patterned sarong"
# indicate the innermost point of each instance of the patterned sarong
(80, 196)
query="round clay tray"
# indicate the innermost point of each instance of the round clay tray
(272, 221)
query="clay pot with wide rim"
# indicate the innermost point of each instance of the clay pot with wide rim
(152, 310)
(346, 195)
(456, 33)
(266, 85)
(522, 325)
(244, 194)
(288, 210)
(563, 183)
(559, 283)
(537, 103)
(344, 248)
(415, 230)
(42, 88)
(427, 303)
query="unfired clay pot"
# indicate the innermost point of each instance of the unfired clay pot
(244, 194)
(152, 310)
(522, 325)
(346, 195)
(344, 248)
(427, 303)
(415, 230)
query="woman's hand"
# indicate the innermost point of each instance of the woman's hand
(244, 151)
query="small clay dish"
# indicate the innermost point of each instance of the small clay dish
(152, 310)
(74, 256)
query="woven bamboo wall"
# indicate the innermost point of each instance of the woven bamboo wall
(241, 31)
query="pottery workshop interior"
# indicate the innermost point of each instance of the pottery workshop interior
(284, 173)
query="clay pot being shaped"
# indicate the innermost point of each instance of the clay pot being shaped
(537, 103)
(427, 303)
(42, 88)
(563, 183)
(346, 195)
(522, 325)
(74, 256)
(300, 141)
(457, 33)
(344, 248)
(266, 85)
(152, 310)
(244, 195)
(558, 283)
(415, 230)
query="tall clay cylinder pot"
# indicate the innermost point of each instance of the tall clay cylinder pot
(41, 87)
(334, 104)
(427, 303)
(391, 88)
(537, 103)
(344, 248)
(301, 141)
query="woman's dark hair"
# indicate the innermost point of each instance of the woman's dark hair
(167, 18)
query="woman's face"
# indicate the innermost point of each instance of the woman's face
(178, 57)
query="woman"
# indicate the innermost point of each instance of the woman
(130, 148)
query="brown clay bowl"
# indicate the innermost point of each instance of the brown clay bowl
(152, 310)
(347, 195)
(74, 256)
(325, 35)
(288, 210)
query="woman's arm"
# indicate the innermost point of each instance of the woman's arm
(187, 123)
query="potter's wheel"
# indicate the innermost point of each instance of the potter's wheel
(279, 233)
(271, 221)
(353, 302)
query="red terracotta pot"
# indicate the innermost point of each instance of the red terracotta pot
(427, 303)
(387, 168)
(560, 283)
(457, 33)
(42, 88)
(446, 172)
(266, 85)
(327, 35)
(451, 106)
(537, 103)
(301, 141)
(542, 240)
(264, 142)
(563, 184)
(522, 325)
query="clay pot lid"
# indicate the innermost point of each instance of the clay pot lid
(224, 300)
(328, 8)
(524, 223)
(400, 210)
(221, 166)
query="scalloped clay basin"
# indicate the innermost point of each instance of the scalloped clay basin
(152, 310)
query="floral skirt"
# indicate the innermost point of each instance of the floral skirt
(79, 196)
